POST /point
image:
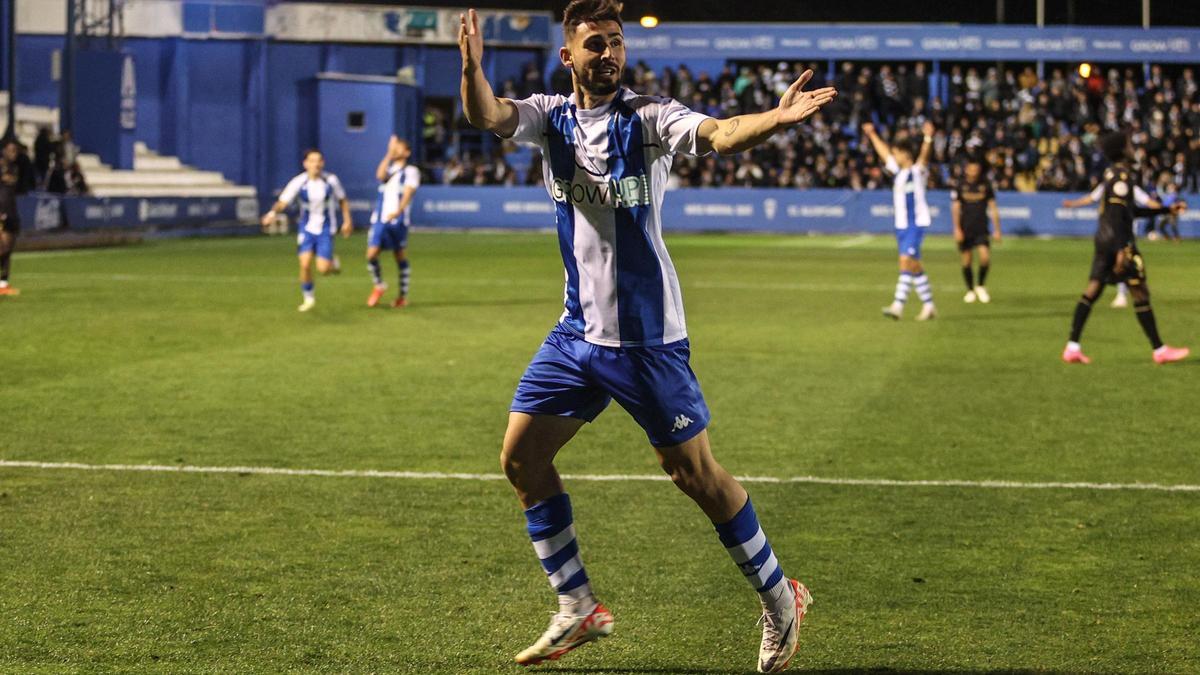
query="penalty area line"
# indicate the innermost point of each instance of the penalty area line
(438, 475)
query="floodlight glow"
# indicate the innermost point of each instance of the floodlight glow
(649, 21)
(1085, 70)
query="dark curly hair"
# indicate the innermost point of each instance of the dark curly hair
(580, 11)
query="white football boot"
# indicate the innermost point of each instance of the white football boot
(982, 294)
(309, 303)
(568, 631)
(969, 297)
(779, 643)
(927, 312)
(893, 311)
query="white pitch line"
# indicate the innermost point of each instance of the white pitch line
(855, 241)
(438, 475)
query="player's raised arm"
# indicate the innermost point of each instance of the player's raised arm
(381, 171)
(926, 144)
(480, 104)
(881, 148)
(1086, 200)
(737, 134)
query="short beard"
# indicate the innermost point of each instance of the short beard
(598, 88)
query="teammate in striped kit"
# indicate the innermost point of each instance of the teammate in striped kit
(912, 215)
(319, 194)
(622, 334)
(391, 219)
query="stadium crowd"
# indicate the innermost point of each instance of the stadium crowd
(1033, 133)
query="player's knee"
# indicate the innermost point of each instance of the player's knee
(520, 467)
(686, 472)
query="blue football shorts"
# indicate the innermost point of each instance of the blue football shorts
(321, 244)
(570, 377)
(388, 236)
(909, 241)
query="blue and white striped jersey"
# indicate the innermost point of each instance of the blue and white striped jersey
(606, 170)
(319, 199)
(908, 195)
(392, 190)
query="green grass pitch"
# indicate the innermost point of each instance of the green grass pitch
(192, 353)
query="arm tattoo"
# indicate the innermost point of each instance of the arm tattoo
(733, 125)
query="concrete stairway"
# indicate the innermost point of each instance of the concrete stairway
(154, 175)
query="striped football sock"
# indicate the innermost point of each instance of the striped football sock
(405, 275)
(924, 290)
(752, 553)
(903, 286)
(551, 527)
(376, 271)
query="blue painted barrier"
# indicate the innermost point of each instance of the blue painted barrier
(44, 211)
(765, 210)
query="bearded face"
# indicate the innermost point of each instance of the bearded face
(595, 53)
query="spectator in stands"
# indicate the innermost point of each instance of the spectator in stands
(43, 148)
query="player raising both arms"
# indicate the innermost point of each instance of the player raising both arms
(391, 218)
(319, 193)
(971, 203)
(1117, 258)
(621, 335)
(911, 171)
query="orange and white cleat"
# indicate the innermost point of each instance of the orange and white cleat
(1074, 354)
(1166, 354)
(9, 291)
(779, 641)
(376, 295)
(567, 632)
(400, 302)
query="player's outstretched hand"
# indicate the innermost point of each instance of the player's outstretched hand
(797, 105)
(268, 219)
(928, 129)
(470, 39)
(1179, 207)
(868, 128)
(347, 229)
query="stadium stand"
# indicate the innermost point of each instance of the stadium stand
(1036, 134)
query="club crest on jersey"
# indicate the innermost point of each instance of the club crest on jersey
(627, 192)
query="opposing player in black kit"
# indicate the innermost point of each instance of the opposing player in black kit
(13, 181)
(971, 203)
(1117, 258)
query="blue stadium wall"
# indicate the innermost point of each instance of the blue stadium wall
(530, 208)
(759, 210)
(223, 96)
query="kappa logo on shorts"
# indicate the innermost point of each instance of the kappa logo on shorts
(681, 422)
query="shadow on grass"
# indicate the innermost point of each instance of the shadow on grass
(514, 302)
(1008, 316)
(868, 669)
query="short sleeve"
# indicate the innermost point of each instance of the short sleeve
(291, 190)
(891, 165)
(412, 177)
(677, 125)
(1140, 197)
(336, 186)
(954, 193)
(531, 117)
(1097, 194)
